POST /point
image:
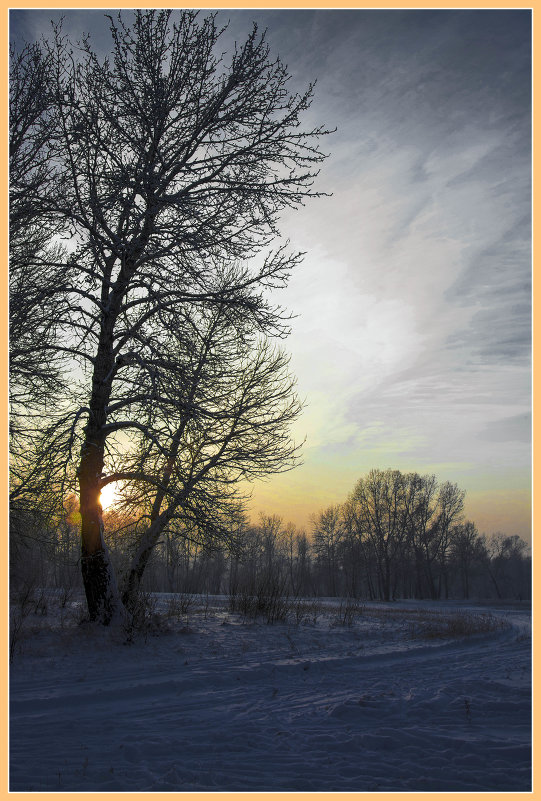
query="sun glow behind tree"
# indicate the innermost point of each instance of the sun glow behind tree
(109, 497)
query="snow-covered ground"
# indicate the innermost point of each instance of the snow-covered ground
(403, 699)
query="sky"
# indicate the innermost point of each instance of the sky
(412, 340)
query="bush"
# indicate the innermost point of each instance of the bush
(304, 611)
(460, 624)
(264, 596)
(143, 618)
(179, 605)
(348, 610)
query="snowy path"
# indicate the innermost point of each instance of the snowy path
(226, 705)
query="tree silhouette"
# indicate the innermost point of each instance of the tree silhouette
(171, 168)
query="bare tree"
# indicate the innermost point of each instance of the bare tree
(327, 536)
(356, 552)
(171, 169)
(508, 566)
(37, 301)
(432, 509)
(450, 510)
(36, 278)
(224, 421)
(469, 552)
(401, 523)
(379, 504)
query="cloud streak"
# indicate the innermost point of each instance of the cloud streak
(415, 300)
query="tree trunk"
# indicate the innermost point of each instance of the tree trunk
(465, 582)
(147, 543)
(99, 581)
(150, 536)
(385, 580)
(492, 576)
(371, 591)
(98, 576)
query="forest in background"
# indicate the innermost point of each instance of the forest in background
(396, 536)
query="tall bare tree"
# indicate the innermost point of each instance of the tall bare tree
(379, 503)
(172, 167)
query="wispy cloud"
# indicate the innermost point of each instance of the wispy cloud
(412, 344)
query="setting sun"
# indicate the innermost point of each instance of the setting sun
(108, 496)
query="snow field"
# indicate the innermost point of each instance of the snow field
(217, 702)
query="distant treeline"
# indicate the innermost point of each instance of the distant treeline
(396, 536)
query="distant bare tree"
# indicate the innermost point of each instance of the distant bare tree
(328, 533)
(356, 553)
(397, 530)
(420, 496)
(468, 551)
(171, 169)
(431, 510)
(508, 565)
(449, 510)
(303, 566)
(379, 507)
